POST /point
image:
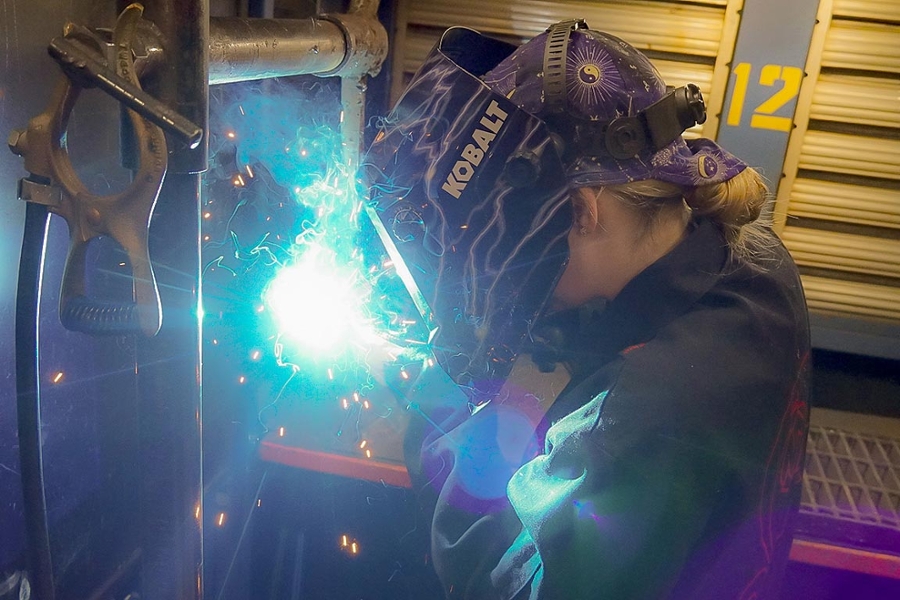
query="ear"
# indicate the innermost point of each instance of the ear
(586, 209)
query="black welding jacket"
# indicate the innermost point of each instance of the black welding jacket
(670, 467)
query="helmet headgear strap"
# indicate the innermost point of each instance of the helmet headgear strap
(652, 128)
(555, 52)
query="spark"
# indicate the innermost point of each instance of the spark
(316, 291)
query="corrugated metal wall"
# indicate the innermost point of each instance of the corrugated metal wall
(839, 205)
(683, 38)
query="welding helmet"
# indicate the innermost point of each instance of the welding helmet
(470, 176)
(479, 247)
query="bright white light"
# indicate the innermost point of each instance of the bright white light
(318, 305)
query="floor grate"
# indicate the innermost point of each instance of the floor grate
(852, 477)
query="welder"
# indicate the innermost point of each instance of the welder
(670, 465)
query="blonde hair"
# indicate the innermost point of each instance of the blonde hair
(735, 205)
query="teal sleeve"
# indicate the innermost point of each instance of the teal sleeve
(597, 526)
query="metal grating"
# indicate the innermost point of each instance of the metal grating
(852, 477)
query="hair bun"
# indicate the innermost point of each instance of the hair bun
(733, 203)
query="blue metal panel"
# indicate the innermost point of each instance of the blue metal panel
(766, 72)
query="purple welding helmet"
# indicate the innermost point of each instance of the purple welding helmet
(469, 179)
(468, 194)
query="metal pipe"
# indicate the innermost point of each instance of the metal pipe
(170, 405)
(246, 49)
(168, 385)
(353, 102)
(366, 43)
(365, 8)
(240, 49)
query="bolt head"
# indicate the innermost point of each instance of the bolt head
(16, 142)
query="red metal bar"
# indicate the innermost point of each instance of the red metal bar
(846, 559)
(336, 464)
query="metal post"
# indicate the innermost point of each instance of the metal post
(168, 366)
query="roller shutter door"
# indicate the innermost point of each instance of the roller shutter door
(838, 208)
(682, 38)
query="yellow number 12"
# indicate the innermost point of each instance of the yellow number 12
(764, 115)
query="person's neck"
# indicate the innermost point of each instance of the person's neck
(663, 235)
(667, 233)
